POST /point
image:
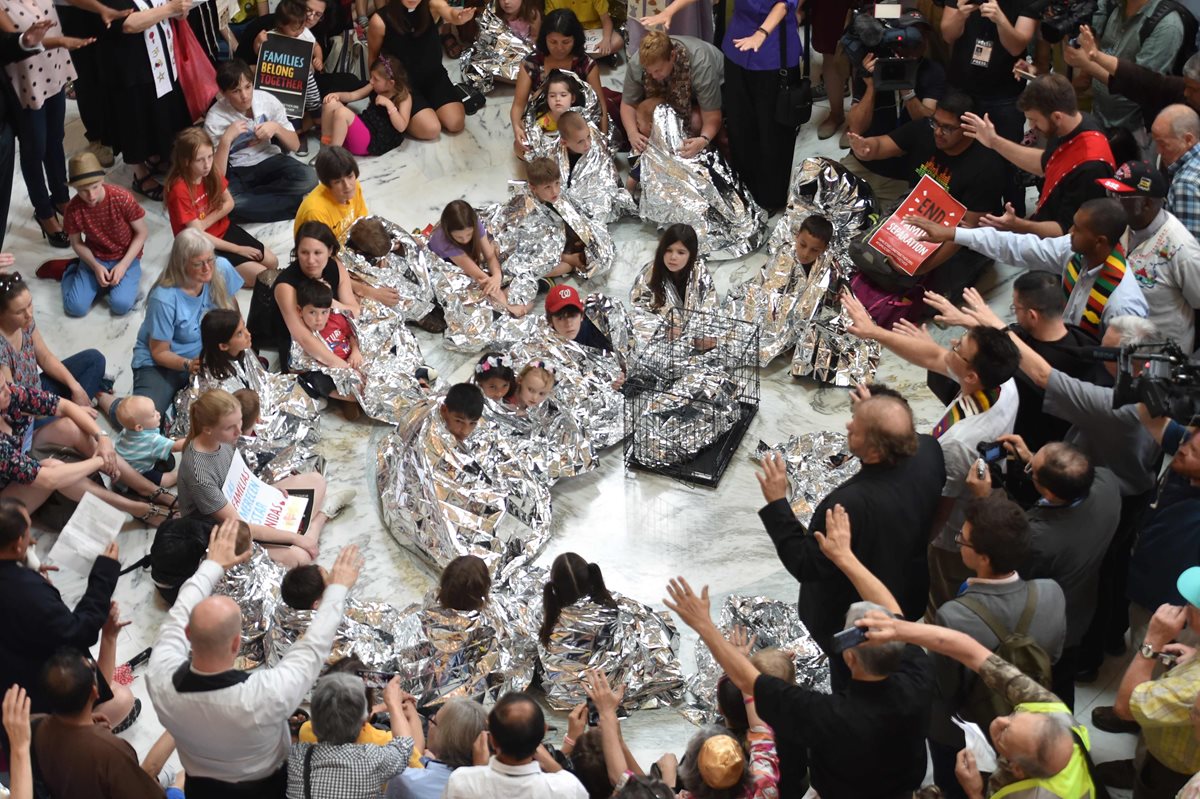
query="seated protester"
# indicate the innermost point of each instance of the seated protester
(564, 312)
(1096, 279)
(276, 322)
(289, 19)
(586, 162)
(534, 384)
(677, 278)
(461, 238)
(381, 126)
(715, 761)
(328, 340)
(216, 423)
(881, 716)
(877, 113)
(341, 765)
(338, 200)
(141, 444)
(495, 377)
(167, 351)
(1070, 530)
(195, 686)
(1163, 256)
(939, 148)
(686, 72)
(45, 623)
(560, 98)
(107, 229)
(452, 729)
(515, 728)
(1155, 49)
(251, 409)
(253, 137)
(594, 15)
(1076, 156)
(545, 181)
(522, 17)
(992, 605)
(982, 362)
(75, 755)
(198, 197)
(179, 548)
(1176, 134)
(1162, 706)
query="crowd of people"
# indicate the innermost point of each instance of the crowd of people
(975, 572)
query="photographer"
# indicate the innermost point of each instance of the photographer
(986, 40)
(1120, 36)
(877, 113)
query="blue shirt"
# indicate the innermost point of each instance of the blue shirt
(748, 15)
(1169, 541)
(421, 783)
(1183, 197)
(174, 315)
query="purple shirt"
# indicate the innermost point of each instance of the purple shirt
(749, 15)
(441, 245)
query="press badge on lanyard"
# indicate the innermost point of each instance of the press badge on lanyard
(982, 54)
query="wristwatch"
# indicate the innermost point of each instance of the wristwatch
(1146, 651)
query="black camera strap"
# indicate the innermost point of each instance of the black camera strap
(783, 62)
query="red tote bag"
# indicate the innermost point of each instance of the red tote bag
(196, 74)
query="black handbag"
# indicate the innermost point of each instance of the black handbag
(793, 105)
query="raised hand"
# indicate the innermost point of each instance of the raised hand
(835, 541)
(773, 478)
(693, 610)
(980, 129)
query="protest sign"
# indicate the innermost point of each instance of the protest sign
(902, 243)
(257, 502)
(284, 64)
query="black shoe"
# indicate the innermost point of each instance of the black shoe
(544, 284)
(1117, 774)
(134, 712)
(57, 239)
(302, 150)
(1106, 719)
(1088, 675)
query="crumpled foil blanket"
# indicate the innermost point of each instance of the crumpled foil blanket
(496, 53)
(817, 463)
(407, 269)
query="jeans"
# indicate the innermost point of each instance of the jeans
(159, 384)
(270, 191)
(43, 160)
(87, 367)
(80, 289)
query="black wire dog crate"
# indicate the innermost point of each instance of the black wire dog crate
(690, 395)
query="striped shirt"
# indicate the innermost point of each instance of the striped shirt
(143, 448)
(201, 475)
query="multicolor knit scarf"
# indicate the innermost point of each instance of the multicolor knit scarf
(966, 405)
(676, 90)
(1106, 283)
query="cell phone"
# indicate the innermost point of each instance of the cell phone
(991, 451)
(848, 639)
(1023, 73)
(593, 714)
(376, 679)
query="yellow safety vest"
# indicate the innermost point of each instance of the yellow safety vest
(1073, 782)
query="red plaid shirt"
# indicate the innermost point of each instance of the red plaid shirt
(107, 228)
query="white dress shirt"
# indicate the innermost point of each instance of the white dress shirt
(498, 781)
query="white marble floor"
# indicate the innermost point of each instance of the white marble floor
(641, 528)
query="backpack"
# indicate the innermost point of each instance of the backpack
(1190, 29)
(1018, 647)
(347, 54)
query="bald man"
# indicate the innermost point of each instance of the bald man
(891, 502)
(230, 726)
(1176, 134)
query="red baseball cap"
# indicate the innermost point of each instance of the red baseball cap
(561, 297)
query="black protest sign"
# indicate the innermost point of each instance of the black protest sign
(284, 65)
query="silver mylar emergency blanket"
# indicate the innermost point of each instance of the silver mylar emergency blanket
(645, 318)
(702, 191)
(386, 385)
(254, 586)
(594, 183)
(288, 430)
(543, 143)
(442, 499)
(529, 240)
(817, 463)
(497, 53)
(406, 269)
(548, 437)
(778, 626)
(631, 643)
(598, 244)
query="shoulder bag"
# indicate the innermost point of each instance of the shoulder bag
(793, 105)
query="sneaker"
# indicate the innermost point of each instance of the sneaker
(302, 150)
(337, 501)
(544, 284)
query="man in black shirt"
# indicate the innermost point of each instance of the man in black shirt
(866, 739)
(892, 501)
(1076, 156)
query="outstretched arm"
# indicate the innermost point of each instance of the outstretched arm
(694, 611)
(835, 544)
(916, 349)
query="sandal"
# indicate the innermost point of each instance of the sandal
(167, 515)
(158, 492)
(139, 186)
(451, 45)
(128, 721)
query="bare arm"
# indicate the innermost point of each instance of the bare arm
(310, 342)
(162, 354)
(1026, 158)
(52, 366)
(139, 21)
(695, 612)
(923, 351)
(873, 148)
(593, 79)
(212, 217)
(158, 755)
(953, 22)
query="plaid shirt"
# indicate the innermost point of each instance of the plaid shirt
(1162, 708)
(347, 771)
(1183, 197)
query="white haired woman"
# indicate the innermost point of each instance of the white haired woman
(452, 732)
(337, 766)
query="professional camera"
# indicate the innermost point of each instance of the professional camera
(889, 41)
(1168, 386)
(1061, 19)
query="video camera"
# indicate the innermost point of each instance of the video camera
(1061, 19)
(1168, 386)
(887, 40)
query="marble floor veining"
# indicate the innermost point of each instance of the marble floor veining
(642, 529)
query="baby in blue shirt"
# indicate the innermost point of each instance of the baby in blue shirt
(140, 442)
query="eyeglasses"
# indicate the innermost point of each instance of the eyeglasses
(945, 130)
(962, 542)
(310, 14)
(1014, 308)
(209, 262)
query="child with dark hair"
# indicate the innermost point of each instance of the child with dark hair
(495, 377)
(812, 240)
(564, 312)
(338, 200)
(462, 239)
(251, 409)
(302, 586)
(677, 277)
(381, 126)
(314, 302)
(290, 16)
(560, 98)
(571, 579)
(465, 584)
(461, 409)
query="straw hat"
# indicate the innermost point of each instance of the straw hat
(84, 169)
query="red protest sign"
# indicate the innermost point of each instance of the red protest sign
(902, 243)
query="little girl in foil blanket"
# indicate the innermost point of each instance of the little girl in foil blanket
(560, 92)
(451, 485)
(288, 428)
(677, 278)
(585, 626)
(702, 191)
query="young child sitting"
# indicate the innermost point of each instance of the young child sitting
(381, 126)
(564, 312)
(589, 172)
(251, 409)
(677, 277)
(461, 410)
(812, 239)
(302, 586)
(534, 384)
(495, 377)
(523, 17)
(314, 301)
(545, 182)
(560, 98)
(139, 441)
(461, 238)
(575, 138)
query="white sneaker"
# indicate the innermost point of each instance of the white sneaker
(337, 501)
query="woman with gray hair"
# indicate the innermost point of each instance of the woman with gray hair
(168, 344)
(337, 766)
(452, 733)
